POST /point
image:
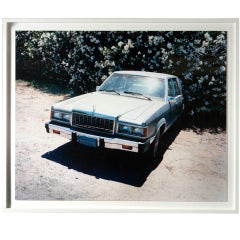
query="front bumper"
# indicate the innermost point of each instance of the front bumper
(97, 141)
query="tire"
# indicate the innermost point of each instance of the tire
(155, 149)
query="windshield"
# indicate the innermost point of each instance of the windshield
(135, 85)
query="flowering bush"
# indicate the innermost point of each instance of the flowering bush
(82, 60)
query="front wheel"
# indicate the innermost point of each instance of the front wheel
(155, 150)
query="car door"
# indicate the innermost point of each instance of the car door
(175, 98)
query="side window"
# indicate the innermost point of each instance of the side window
(176, 87)
(173, 88)
(170, 88)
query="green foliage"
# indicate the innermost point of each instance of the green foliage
(82, 60)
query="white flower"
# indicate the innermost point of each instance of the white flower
(120, 44)
(197, 41)
(130, 43)
(169, 45)
(222, 68)
(126, 47)
(203, 108)
(207, 36)
(205, 44)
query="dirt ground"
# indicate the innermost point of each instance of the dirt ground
(48, 167)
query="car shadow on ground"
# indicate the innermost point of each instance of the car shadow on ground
(119, 166)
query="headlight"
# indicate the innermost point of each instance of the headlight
(57, 115)
(138, 131)
(61, 116)
(131, 130)
(124, 129)
(66, 117)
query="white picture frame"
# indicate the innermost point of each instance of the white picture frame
(10, 26)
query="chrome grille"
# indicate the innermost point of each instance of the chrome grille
(92, 122)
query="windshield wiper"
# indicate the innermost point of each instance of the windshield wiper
(110, 90)
(139, 94)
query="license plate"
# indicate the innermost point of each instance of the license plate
(87, 141)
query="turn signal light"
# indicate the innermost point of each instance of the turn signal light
(127, 147)
(56, 131)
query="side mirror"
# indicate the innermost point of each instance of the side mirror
(97, 87)
(171, 100)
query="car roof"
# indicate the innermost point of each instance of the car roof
(146, 74)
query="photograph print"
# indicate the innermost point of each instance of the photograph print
(121, 116)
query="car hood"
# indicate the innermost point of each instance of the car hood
(108, 104)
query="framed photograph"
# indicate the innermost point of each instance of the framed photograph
(121, 115)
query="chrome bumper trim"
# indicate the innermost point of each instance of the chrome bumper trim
(111, 143)
(64, 132)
